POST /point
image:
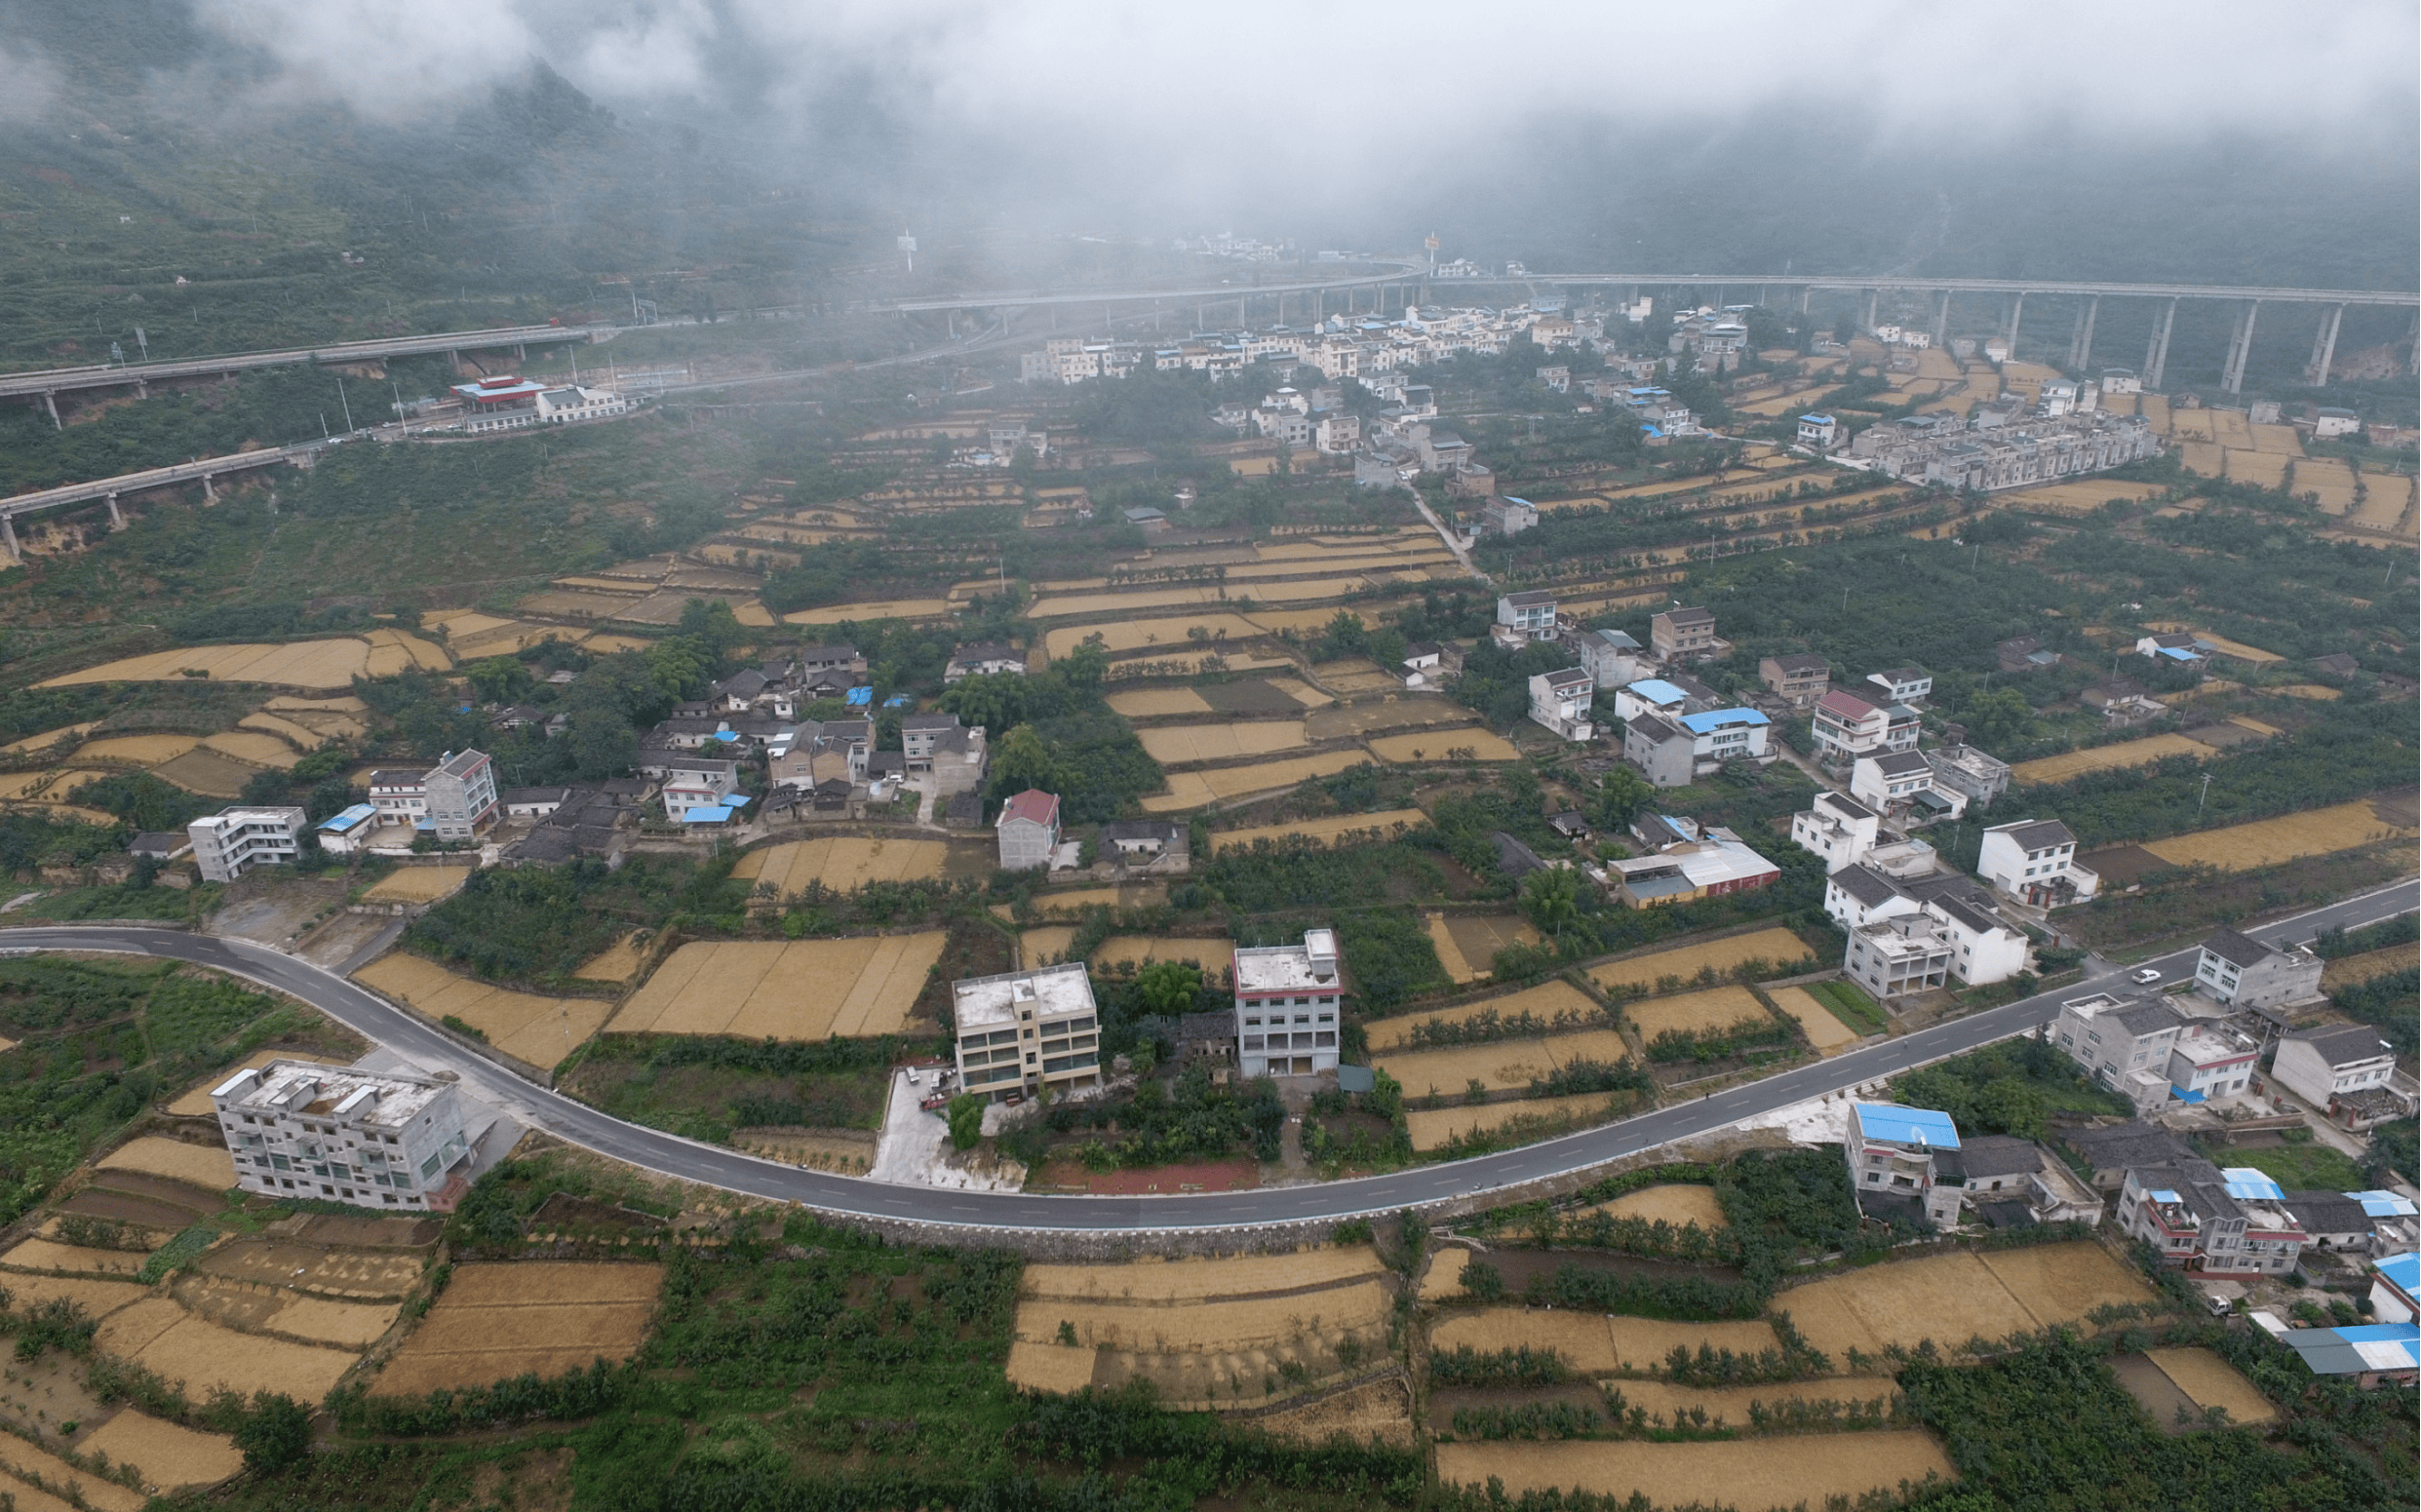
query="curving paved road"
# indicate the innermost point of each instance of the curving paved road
(375, 1017)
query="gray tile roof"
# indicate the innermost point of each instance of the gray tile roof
(2343, 1044)
(2240, 950)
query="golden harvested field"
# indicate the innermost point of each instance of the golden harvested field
(1594, 1345)
(417, 884)
(1731, 1404)
(1156, 703)
(1470, 744)
(1467, 942)
(2076, 498)
(47, 1254)
(307, 664)
(98, 1298)
(1201, 1280)
(1677, 1203)
(2267, 842)
(2193, 425)
(606, 643)
(169, 1456)
(540, 1031)
(1176, 745)
(2284, 439)
(254, 748)
(296, 735)
(1431, 1128)
(1442, 1277)
(198, 1165)
(160, 1336)
(1169, 634)
(2155, 409)
(1641, 973)
(499, 1320)
(2240, 650)
(22, 785)
(843, 863)
(1214, 956)
(2330, 478)
(26, 1463)
(1544, 1002)
(2268, 469)
(2209, 1381)
(1352, 675)
(1046, 944)
(2103, 758)
(1195, 790)
(884, 608)
(784, 990)
(2347, 969)
(1178, 1327)
(324, 1320)
(1795, 1470)
(47, 739)
(195, 1102)
(1380, 1410)
(1328, 828)
(617, 962)
(1504, 1066)
(1951, 1299)
(1101, 603)
(1035, 1366)
(2384, 503)
(138, 750)
(2203, 456)
(1827, 1033)
(1711, 1008)
(1075, 900)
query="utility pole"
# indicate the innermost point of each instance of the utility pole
(2205, 797)
(348, 404)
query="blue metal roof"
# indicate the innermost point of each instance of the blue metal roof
(2189, 1095)
(351, 817)
(2163, 1194)
(1715, 720)
(707, 816)
(860, 697)
(2385, 1204)
(1656, 690)
(2178, 654)
(1906, 1125)
(2403, 1270)
(1817, 419)
(2248, 1182)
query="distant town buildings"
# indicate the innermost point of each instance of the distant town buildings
(1996, 452)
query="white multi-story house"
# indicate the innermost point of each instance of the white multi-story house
(2122, 1043)
(1027, 1032)
(1901, 684)
(234, 841)
(1978, 774)
(1289, 1006)
(1891, 1153)
(1897, 954)
(1845, 728)
(1561, 701)
(1909, 944)
(2218, 1222)
(1838, 829)
(1900, 784)
(2325, 1065)
(337, 1134)
(1530, 614)
(1613, 658)
(698, 782)
(2035, 860)
(1684, 634)
(1027, 829)
(2243, 973)
(461, 794)
(1652, 695)
(401, 798)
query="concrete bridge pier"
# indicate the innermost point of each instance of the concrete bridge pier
(117, 520)
(2324, 348)
(2081, 344)
(2240, 347)
(1804, 291)
(50, 404)
(209, 489)
(1942, 320)
(2156, 355)
(8, 538)
(1868, 323)
(2017, 310)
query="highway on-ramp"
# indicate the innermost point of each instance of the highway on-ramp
(1421, 1186)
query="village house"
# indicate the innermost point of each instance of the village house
(1028, 830)
(1685, 635)
(1529, 615)
(1978, 775)
(2122, 1043)
(1027, 1032)
(1900, 684)
(699, 782)
(1891, 1151)
(2199, 1218)
(2344, 1071)
(2035, 860)
(1900, 784)
(1716, 862)
(1839, 830)
(1141, 842)
(1561, 701)
(234, 841)
(340, 1134)
(342, 834)
(1847, 726)
(1289, 1006)
(2123, 702)
(1613, 658)
(2024, 653)
(1798, 679)
(2241, 972)
(1500, 515)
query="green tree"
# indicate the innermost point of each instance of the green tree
(1022, 761)
(1553, 900)
(1168, 987)
(275, 1433)
(711, 622)
(499, 679)
(1620, 796)
(967, 1120)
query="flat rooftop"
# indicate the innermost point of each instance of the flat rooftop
(294, 1088)
(995, 1002)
